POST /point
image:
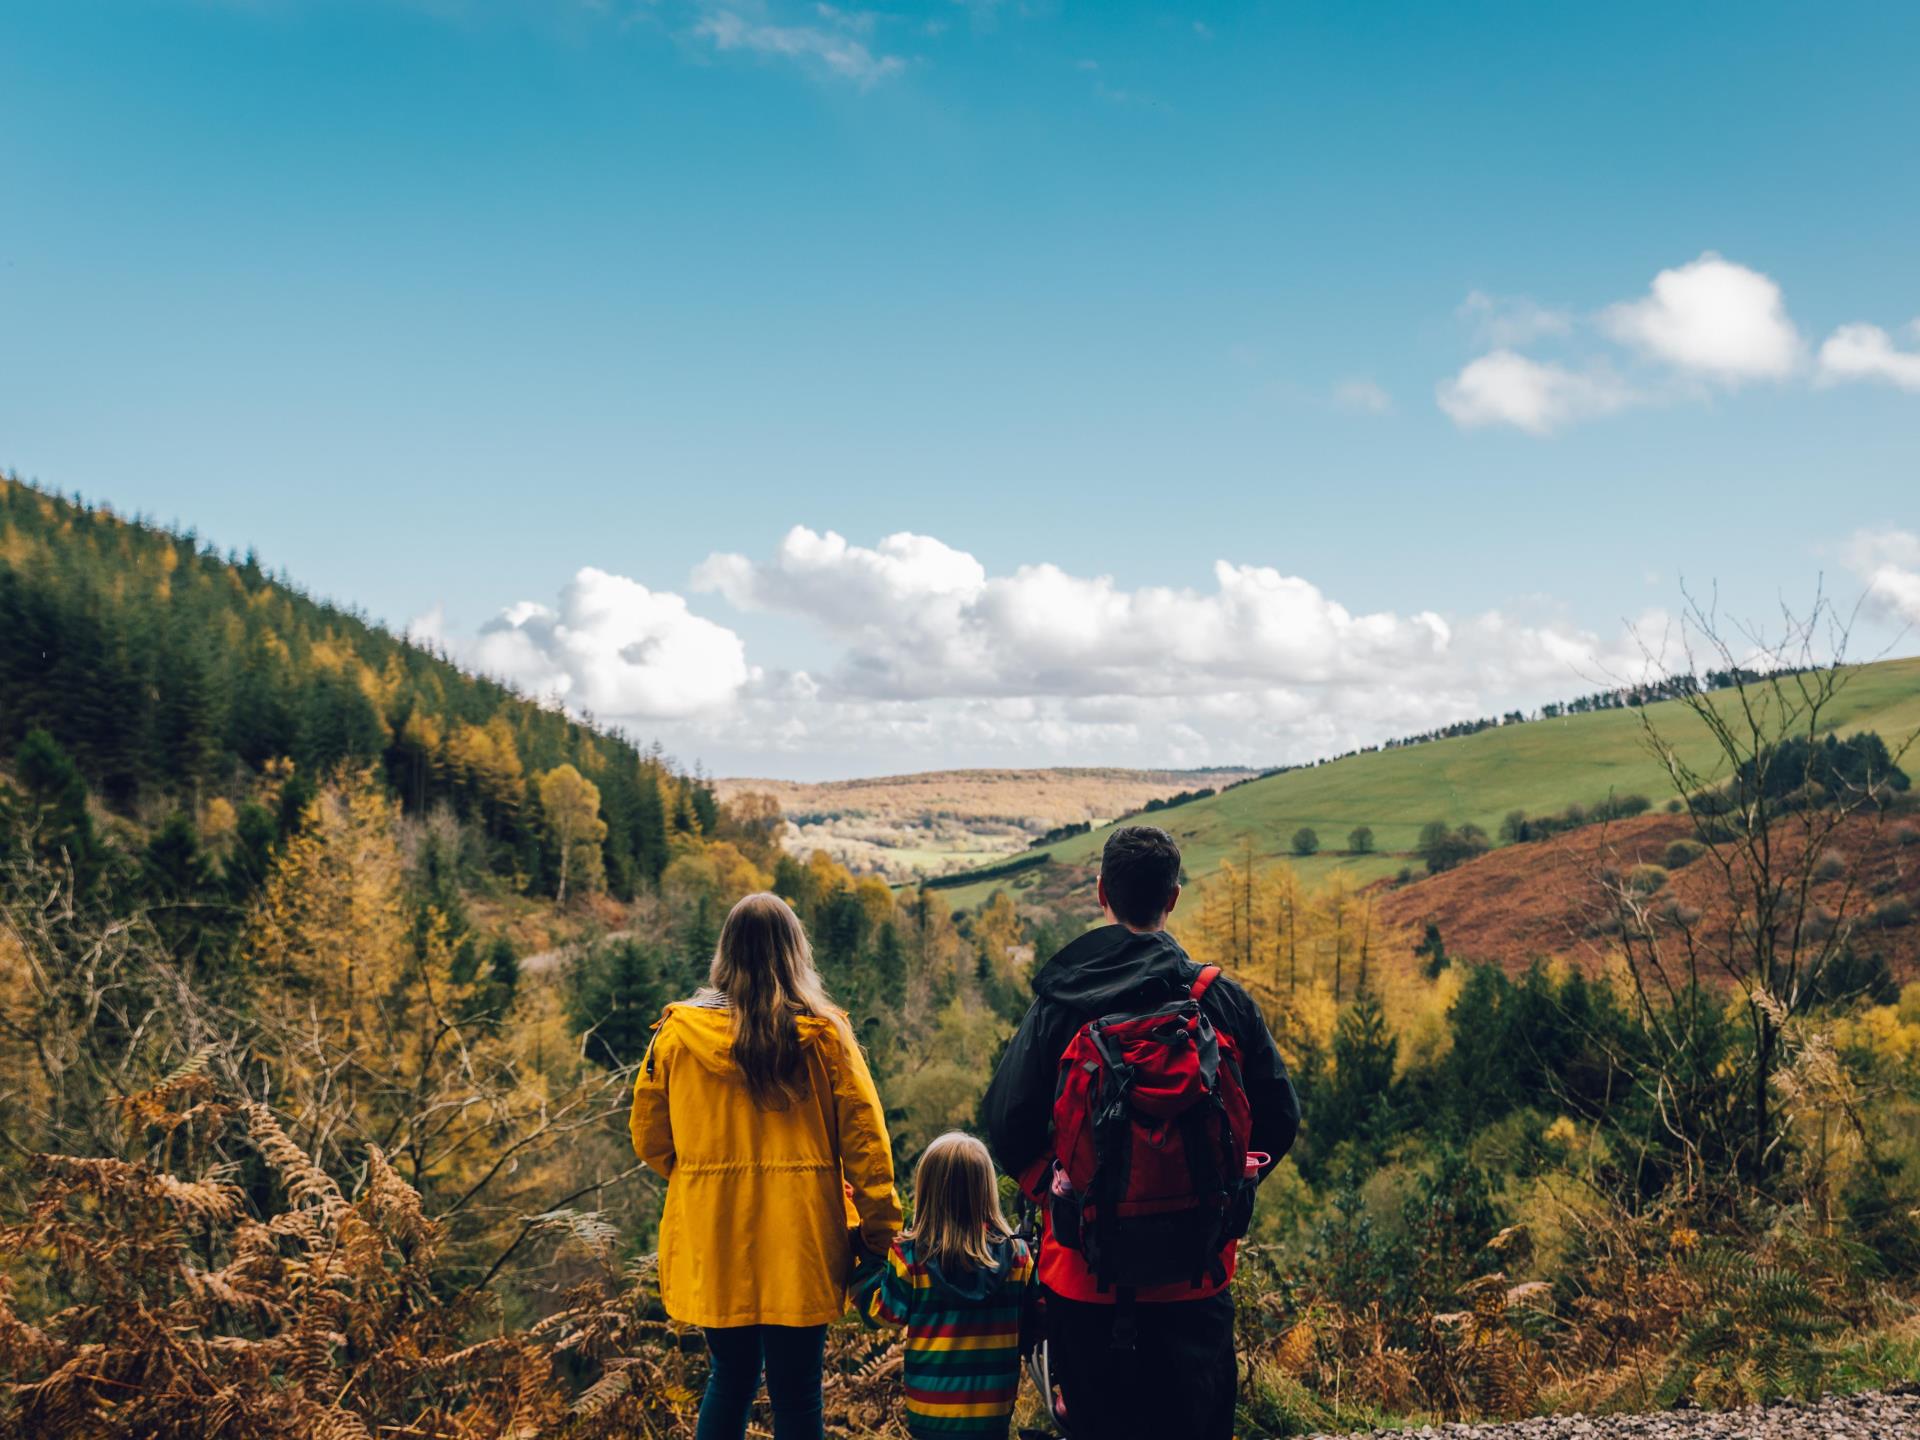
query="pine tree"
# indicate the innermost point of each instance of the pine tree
(617, 993)
(56, 807)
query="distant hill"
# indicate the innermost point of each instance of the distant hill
(905, 827)
(1541, 766)
(1522, 902)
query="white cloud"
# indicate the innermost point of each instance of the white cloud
(1362, 397)
(1711, 317)
(921, 657)
(1866, 352)
(835, 52)
(921, 624)
(1507, 388)
(848, 587)
(617, 649)
(1508, 320)
(1889, 562)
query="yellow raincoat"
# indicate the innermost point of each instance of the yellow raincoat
(756, 1225)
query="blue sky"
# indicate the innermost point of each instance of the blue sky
(454, 306)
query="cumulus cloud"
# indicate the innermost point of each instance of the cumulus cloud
(1711, 317)
(915, 655)
(936, 657)
(1709, 320)
(1866, 352)
(848, 587)
(836, 51)
(920, 619)
(1889, 563)
(617, 649)
(1507, 388)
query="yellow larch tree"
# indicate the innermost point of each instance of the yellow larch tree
(372, 1032)
(571, 804)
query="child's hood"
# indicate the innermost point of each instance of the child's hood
(706, 1032)
(966, 1282)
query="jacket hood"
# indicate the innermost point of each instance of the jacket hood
(967, 1283)
(1111, 964)
(706, 1032)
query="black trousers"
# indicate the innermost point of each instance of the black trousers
(1177, 1383)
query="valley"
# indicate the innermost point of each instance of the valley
(909, 827)
(315, 943)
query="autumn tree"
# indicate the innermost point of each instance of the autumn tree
(1789, 815)
(571, 804)
(753, 821)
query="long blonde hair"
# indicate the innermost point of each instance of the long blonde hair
(763, 970)
(956, 1204)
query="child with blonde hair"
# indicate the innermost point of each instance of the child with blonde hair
(962, 1284)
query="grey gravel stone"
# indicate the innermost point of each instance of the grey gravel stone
(1875, 1415)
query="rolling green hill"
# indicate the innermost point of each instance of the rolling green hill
(1539, 767)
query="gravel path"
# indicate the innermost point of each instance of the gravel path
(1878, 1415)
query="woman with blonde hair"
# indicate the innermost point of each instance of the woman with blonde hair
(756, 1104)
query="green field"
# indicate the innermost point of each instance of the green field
(1539, 767)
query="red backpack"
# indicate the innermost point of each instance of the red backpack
(1150, 1131)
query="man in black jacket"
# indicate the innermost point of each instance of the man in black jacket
(1179, 1377)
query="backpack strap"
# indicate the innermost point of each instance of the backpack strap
(1208, 974)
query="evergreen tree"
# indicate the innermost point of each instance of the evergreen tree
(185, 726)
(1355, 1105)
(256, 832)
(338, 725)
(616, 995)
(56, 806)
(650, 852)
(173, 870)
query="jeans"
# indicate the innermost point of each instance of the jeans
(1179, 1379)
(792, 1356)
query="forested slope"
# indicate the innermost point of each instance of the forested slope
(171, 674)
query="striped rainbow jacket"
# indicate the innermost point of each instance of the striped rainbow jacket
(963, 1335)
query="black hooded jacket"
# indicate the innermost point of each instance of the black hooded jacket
(1114, 969)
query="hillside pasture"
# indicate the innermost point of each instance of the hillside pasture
(1539, 767)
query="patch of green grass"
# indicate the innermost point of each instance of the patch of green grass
(1876, 1360)
(1539, 767)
